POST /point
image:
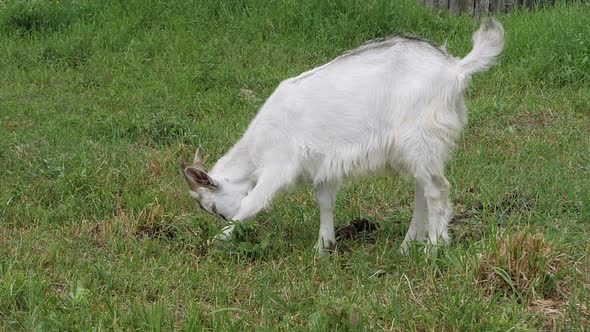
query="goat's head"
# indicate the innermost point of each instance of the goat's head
(218, 197)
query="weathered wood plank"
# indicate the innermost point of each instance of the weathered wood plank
(483, 7)
(454, 6)
(471, 7)
(497, 5)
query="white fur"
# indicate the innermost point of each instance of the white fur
(391, 105)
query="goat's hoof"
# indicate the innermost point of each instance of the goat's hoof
(405, 248)
(221, 237)
(407, 245)
(432, 249)
(218, 240)
(322, 250)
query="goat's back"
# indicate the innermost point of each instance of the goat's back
(346, 117)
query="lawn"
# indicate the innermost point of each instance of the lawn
(100, 99)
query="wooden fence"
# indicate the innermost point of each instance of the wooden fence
(481, 7)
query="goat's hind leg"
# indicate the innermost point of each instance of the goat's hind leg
(436, 192)
(431, 182)
(325, 194)
(418, 230)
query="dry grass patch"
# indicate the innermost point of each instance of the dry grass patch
(551, 311)
(522, 263)
(150, 222)
(526, 266)
(13, 126)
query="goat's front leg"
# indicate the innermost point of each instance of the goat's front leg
(257, 199)
(325, 194)
(226, 232)
(260, 196)
(267, 186)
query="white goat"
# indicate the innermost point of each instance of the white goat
(392, 104)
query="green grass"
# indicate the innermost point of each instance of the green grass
(99, 99)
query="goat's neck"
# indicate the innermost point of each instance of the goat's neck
(235, 165)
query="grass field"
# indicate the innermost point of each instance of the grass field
(99, 99)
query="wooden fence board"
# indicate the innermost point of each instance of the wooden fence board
(483, 7)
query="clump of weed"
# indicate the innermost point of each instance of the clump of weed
(248, 241)
(336, 318)
(520, 263)
(70, 54)
(21, 292)
(515, 201)
(158, 129)
(466, 224)
(152, 224)
(148, 223)
(40, 16)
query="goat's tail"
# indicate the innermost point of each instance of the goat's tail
(488, 43)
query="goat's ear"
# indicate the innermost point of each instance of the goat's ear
(198, 178)
(198, 162)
